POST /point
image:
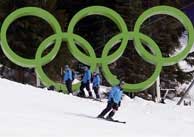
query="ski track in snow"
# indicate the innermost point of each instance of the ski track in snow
(26, 111)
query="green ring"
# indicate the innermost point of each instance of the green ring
(29, 11)
(112, 79)
(178, 14)
(95, 10)
(39, 64)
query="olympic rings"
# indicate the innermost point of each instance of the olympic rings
(90, 59)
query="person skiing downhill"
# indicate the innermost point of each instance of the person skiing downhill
(68, 78)
(114, 100)
(96, 84)
(85, 83)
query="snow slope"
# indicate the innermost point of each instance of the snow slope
(26, 111)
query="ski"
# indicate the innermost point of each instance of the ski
(97, 100)
(116, 121)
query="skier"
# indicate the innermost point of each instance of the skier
(96, 84)
(85, 83)
(114, 100)
(68, 78)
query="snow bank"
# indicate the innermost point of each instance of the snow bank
(26, 111)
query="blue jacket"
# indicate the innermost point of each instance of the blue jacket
(115, 94)
(96, 81)
(87, 76)
(68, 75)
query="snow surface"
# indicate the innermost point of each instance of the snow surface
(183, 42)
(26, 111)
(191, 94)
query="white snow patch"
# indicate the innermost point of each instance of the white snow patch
(26, 111)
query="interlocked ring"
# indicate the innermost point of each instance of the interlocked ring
(96, 10)
(44, 45)
(167, 10)
(29, 11)
(112, 79)
(91, 59)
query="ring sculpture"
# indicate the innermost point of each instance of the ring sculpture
(91, 60)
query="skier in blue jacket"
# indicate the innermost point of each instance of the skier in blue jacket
(68, 78)
(114, 100)
(85, 83)
(96, 84)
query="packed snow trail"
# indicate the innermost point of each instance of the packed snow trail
(26, 111)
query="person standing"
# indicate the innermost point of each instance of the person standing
(68, 78)
(114, 101)
(96, 84)
(85, 83)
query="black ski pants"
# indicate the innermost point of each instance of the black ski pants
(110, 106)
(87, 86)
(69, 85)
(96, 91)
